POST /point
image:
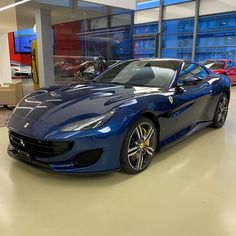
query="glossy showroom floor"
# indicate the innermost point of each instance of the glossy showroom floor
(189, 189)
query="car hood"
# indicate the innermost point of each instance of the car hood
(76, 101)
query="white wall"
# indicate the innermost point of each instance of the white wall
(146, 16)
(5, 68)
(216, 6)
(178, 11)
(128, 4)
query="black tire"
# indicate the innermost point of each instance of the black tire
(221, 111)
(139, 146)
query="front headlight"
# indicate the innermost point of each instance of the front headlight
(89, 123)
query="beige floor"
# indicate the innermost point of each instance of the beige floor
(4, 114)
(189, 190)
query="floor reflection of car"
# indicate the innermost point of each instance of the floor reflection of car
(19, 69)
(120, 119)
(222, 66)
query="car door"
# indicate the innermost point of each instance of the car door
(195, 99)
(191, 103)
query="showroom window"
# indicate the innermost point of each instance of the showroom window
(112, 43)
(217, 37)
(98, 23)
(121, 19)
(144, 40)
(177, 38)
(78, 44)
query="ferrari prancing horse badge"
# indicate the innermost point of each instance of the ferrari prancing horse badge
(171, 99)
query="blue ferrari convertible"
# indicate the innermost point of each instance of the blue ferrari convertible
(119, 120)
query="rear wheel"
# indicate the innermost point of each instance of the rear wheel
(139, 146)
(221, 111)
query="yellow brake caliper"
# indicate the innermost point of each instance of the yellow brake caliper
(147, 142)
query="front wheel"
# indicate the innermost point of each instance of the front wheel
(139, 146)
(221, 111)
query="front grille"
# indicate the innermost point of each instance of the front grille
(39, 148)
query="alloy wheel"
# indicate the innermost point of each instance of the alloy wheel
(141, 146)
(222, 110)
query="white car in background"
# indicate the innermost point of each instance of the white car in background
(19, 69)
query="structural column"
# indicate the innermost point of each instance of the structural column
(5, 65)
(197, 7)
(160, 28)
(45, 47)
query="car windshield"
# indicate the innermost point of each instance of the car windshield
(214, 65)
(141, 73)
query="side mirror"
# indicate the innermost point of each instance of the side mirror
(191, 80)
(179, 83)
(179, 87)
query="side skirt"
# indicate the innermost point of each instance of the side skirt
(197, 127)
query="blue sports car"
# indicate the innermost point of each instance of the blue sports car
(119, 120)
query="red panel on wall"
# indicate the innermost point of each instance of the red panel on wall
(23, 58)
(67, 39)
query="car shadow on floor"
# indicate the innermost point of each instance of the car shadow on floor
(166, 153)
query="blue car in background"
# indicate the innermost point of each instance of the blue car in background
(119, 120)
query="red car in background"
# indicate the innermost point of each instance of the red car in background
(222, 66)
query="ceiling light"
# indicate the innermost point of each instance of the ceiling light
(13, 5)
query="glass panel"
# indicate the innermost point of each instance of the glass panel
(144, 47)
(178, 26)
(85, 6)
(177, 38)
(121, 43)
(146, 29)
(78, 47)
(98, 23)
(119, 20)
(217, 37)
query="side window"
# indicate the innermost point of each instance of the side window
(203, 73)
(192, 69)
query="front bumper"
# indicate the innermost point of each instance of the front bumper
(72, 161)
(46, 167)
